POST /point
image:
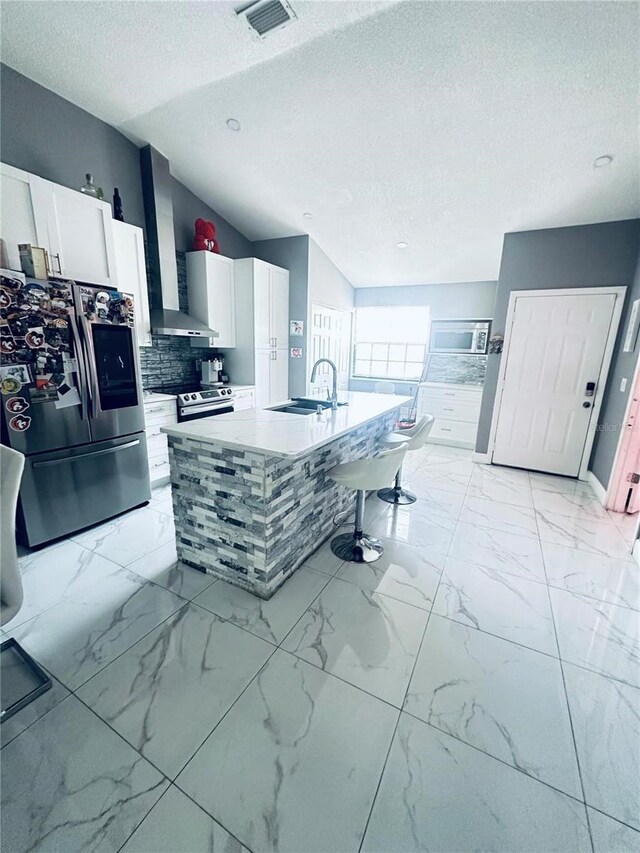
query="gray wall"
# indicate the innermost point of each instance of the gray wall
(43, 133)
(615, 401)
(187, 208)
(472, 299)
(577, 256)
(327, 285)
(292, 253)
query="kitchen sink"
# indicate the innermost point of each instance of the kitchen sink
(303, 406)
(293, 410)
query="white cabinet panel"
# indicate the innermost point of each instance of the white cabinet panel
(80, 235)
(18, 215)
(456, 410)
(279, 306)
(279, 383)
(263, 362)
(128, 241)
(262, 306)
(210, 279)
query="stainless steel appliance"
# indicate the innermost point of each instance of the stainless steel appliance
(203, 404)
(72, 403)
(212, 371)
(460, 336)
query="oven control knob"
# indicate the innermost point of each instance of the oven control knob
(193, 396)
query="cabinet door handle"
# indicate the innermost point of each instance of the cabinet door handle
(275, 342)
(444, 409)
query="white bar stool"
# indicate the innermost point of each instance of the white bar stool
(364, 475)
(412, 439)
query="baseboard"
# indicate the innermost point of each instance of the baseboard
(482, 458)
(598, 488)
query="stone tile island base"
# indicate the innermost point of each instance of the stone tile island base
(251, 518)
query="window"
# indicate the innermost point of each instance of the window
(390, 342)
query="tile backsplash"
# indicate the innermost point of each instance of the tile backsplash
(457, 369)
(170, 363)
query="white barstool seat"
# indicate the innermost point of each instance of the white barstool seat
(412, 439)
(22, 679)
(364, 475)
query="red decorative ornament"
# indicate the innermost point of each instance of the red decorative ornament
(205, 237)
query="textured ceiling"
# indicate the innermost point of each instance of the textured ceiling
(441, 124)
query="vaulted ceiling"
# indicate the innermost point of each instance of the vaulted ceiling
(440, 124)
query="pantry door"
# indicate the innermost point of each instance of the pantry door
(557, 356)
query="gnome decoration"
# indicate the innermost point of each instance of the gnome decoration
(205, 237)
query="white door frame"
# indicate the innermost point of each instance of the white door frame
(608, 488)
(619, 293)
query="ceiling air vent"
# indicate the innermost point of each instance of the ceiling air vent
(266, 16)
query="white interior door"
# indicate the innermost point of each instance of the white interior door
(557, 346)
(331, 338)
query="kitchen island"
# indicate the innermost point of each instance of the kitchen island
(251, 496)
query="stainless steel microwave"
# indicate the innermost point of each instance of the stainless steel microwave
(460, 336)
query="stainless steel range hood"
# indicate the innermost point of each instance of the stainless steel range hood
(166, 317)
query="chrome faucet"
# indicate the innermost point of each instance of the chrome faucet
(334, 393)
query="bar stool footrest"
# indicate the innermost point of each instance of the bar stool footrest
(363, 549)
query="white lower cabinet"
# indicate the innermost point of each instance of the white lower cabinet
(456, 410)
(159, 411)
(244, 398)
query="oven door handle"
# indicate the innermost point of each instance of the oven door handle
(203, 407)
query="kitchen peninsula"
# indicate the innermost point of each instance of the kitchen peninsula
(251, 496)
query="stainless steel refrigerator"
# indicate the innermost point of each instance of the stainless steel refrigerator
(71, 402)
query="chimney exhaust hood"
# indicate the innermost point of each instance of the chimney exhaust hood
(166, 317)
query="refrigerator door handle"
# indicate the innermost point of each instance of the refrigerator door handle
(80, 363)
(91, 367)
(104, 452)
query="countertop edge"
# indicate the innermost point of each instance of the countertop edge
(238, 445)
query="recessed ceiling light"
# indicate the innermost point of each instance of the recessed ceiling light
(233, 124)
(308, 215)
(600, 162)
(402, 245)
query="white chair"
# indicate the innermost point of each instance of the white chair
(22, 678)
(412, 439)
(364, 475)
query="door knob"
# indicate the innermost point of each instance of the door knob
(586, 405)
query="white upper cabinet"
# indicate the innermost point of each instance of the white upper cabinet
(18, 215)
(80, 235)
(210, 282)
(261, 356)
(279, 305)
(128, 242)
(75, 229)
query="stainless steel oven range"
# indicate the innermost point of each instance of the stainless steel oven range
(203, 404)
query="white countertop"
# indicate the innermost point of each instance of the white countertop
(282, 434)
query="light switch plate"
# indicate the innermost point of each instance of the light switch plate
(623, 383)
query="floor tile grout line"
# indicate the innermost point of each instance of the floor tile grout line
(566, 698)
(410, 679)
(495, 758)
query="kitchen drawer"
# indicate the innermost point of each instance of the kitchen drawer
(160, 419)
(464, 392)
(461, 433)
(451, 409)
(159, 407)
(159, 473)
(244, 400)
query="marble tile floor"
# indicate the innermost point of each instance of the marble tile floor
(475, 689)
